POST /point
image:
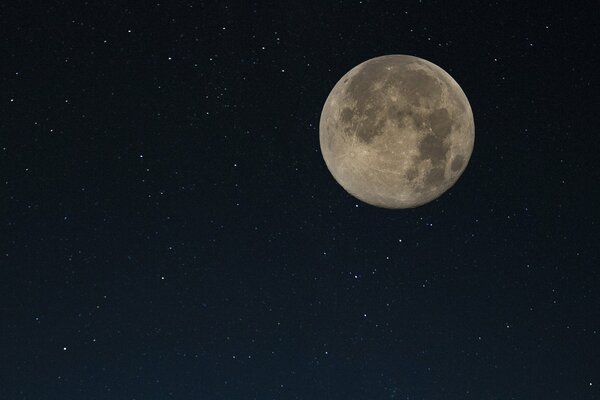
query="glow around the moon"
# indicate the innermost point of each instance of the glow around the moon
(396, 131)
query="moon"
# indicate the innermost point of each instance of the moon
(396, 131)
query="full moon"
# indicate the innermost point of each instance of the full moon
(396, 131)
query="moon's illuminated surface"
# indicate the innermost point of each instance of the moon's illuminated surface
(396, 131)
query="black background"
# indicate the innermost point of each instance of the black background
(170, 230)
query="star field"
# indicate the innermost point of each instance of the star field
(170, 230)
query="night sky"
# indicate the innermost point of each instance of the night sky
(169, 229)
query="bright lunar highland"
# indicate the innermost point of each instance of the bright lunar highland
(396, 131)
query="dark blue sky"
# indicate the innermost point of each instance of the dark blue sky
(169, 229)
